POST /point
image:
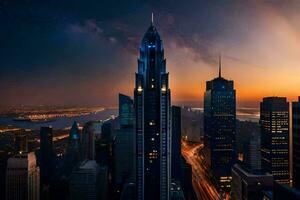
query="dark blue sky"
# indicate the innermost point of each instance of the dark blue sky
(84, 52)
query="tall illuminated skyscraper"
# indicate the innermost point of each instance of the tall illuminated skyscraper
(220, 128)
(152, 107)
(274, 125)
(296, 144)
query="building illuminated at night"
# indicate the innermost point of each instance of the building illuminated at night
(152, 107)
(220, 128)
(296, 144)
(274, 124)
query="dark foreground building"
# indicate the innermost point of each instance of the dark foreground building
(296, 144)
(247, 184)
(220, 128)
(176, 143)
(152, 107)
(281, 192)
(274, 124)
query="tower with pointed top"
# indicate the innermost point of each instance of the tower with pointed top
(74, 137)
(220, 128)
(152, 107)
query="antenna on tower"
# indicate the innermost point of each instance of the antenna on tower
(152, 18)
(220, 65)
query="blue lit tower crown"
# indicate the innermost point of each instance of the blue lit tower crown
(152, 107)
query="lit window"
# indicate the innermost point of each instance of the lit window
(140, 89)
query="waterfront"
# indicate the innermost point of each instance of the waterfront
(60, 122)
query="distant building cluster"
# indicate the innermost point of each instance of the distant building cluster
(263, 171)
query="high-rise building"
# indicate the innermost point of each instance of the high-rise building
(124, 143)
(104, 183)
(4, 156)
(126, 111)
(186, 180)
(252, 154)
(21, 143)
(152, 107)
(103, 152)
(72, 156)
(176, 143)
(22, 177)
(248, 185)
(87, 144)
(46, 160)
(74, 137)
(84, 181)
(296, 144)
(46, 154)
(220, 128)
(124, 155)
(274, 124)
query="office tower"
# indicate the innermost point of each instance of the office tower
(248, 185)
(46, 154)
(4, 156)
(22, 177)
(176, 143)
(72, 156)
(46, 160)
(252, 154)
(186, 180)
(84, 181)
(74, 137)
(88, 141)
(152, 108)
(21, 143)
(124, 144)
(106, 130)
(274, 125)
(104, 183)
(124, 155)
(220, 128)
(296, 144)
(126, 111)
(103, 152)
(97, 126)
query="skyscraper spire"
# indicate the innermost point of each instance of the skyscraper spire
(220, 65)
(152, 18)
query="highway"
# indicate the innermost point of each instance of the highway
(203, 187)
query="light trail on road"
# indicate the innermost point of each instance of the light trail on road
(202, 185)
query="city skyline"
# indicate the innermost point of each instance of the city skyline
(69, 49)
(66, 66)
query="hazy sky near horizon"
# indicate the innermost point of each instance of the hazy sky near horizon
(85, 52)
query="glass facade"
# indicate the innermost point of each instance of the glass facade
(274, 124)
(126, 111)
(152, 107)
(220, 129)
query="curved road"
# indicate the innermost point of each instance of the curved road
(202, 185)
